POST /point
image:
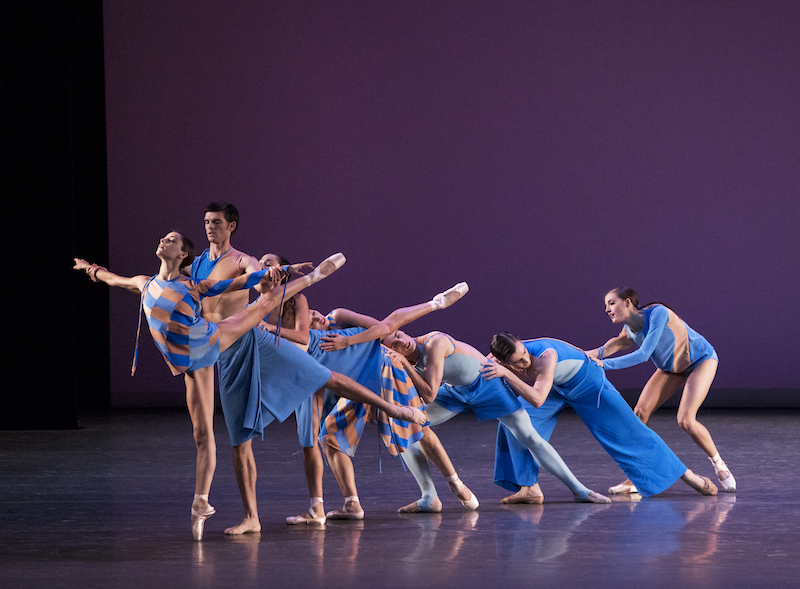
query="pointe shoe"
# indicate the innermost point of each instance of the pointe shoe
(326, 268)
(471, 503)
(450, 296)
(725, 476)
(593, 497)
(415, 507)
(527, 495)
(708, 488)
(199, 521)
(351, 511)
(623, 489)
(314, 516)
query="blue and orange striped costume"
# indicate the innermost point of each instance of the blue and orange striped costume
(360, 362)
(342, 429)
(668, 341)
(172, 308)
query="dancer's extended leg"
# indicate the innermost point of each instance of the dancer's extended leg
(519, 424)
(405, 315)
(235, 326)
(344, 386)
(694, 393)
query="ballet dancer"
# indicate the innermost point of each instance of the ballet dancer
(349, 343)
(682, 357)
(447, 375)
(189, 344)
(551, 374)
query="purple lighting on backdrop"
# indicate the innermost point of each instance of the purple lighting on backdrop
(542, 151)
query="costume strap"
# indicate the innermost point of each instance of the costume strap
(139, 326)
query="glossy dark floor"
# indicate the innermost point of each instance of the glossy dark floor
(108, 506)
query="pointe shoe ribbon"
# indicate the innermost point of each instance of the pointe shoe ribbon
(471, 503)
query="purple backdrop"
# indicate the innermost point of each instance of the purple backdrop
(542, 151)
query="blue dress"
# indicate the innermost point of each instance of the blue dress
(581, 384)
(260, 380)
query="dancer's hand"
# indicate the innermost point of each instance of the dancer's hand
(592, 354)
(492, 369)
(397, 359)
(273, 276)
(597, 361)
(264, 326)
(81, 264)
(302, 266)
(333, 342)
(91, 269)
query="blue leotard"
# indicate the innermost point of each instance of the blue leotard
(668, 341)
(464, 388)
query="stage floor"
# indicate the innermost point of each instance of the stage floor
(108, 506)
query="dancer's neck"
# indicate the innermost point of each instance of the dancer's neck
(170, 269)
(217, 250)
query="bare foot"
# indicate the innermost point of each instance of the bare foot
(593, 497)
(530, 495)
(434, 507)
(248, 526)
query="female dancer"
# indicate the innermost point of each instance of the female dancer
(551, 374)
(447, 374)
(682, 357)
(189, 344)
(348, 342)
(293, 313)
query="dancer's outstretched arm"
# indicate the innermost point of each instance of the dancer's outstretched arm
(612, 346)
(100, 274)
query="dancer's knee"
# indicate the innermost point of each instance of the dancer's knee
(688, 423)
(642, 413)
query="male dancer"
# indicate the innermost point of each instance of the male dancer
(258, 380)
